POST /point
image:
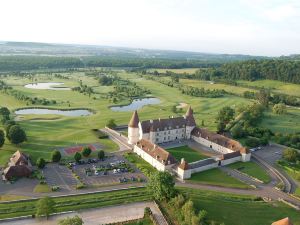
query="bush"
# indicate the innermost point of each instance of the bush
(86, 151)
(290, 154)
(2, 138)
(55, 156)
(147, 211)
(80, 186)
(40, 163)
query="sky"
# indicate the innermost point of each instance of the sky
(256, 27)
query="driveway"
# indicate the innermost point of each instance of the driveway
(105, 215)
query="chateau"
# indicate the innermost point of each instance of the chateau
(146, 136)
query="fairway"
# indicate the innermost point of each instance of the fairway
(240, 210)
(218, 178)
(190, 155)
(252, 169)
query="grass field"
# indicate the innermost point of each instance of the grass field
(190, 155)
(86, 201)
(274, 85)
(9, 197)
(217, 177)
(252, 169)
(240, 210)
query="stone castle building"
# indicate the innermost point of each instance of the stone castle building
(146, 136)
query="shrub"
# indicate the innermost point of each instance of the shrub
(111, 123)
(16, 134)
(101, 155)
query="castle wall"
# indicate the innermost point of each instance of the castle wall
(148, 158)
(212, 145)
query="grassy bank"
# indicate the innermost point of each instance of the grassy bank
(86, 201)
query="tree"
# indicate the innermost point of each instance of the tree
(8, 124)
(263, 97)
(44, 207)
(221, 127)
(2, 138)
(16, 134)
(86, 151)
(111, 123)
(252, 142)
(279, 109)
(76, 220)
(40, 163)
(225, 115)
(290, 154)
(161, 185)
(237, 131)
(101, 155)
(55, 156)
(77, 156)
(4, 114)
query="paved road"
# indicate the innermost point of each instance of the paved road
(105, 215)
(118, 138)
(263, 191)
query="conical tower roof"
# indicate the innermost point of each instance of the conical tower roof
(285, 221)
(134, 121)
(190, 120)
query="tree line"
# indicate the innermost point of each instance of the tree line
(275, 69)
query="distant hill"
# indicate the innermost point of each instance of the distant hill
(46, 49)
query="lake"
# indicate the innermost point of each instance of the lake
(136, 104)
(47, 86)
(41, 111)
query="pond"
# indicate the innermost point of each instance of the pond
(41, 111)
(47, 86)
(136, 104)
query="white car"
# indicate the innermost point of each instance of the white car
(97, 173)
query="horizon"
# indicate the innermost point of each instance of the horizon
(257, 27)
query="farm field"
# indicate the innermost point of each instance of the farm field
(274, 85)
(252, 169)
(190, 155)
(236, 210)
(217, 177)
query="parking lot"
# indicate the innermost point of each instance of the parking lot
(270, 153)
(59, 175)
(113, 170)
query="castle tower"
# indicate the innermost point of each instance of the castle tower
(190, 122)
(133, 129)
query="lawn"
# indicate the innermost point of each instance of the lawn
(252, 169)
(218, 178)
(190, 155)
(9, 197)
(84, 201)
(42, 188)
(235, 209)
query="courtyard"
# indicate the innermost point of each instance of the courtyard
(189, 154)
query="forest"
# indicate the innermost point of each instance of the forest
(282, 70)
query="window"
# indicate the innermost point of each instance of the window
(168, 132)
(164, 138)
(168, 137)
(157, 139)
(165, 133)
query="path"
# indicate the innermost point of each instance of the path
(105, 215)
